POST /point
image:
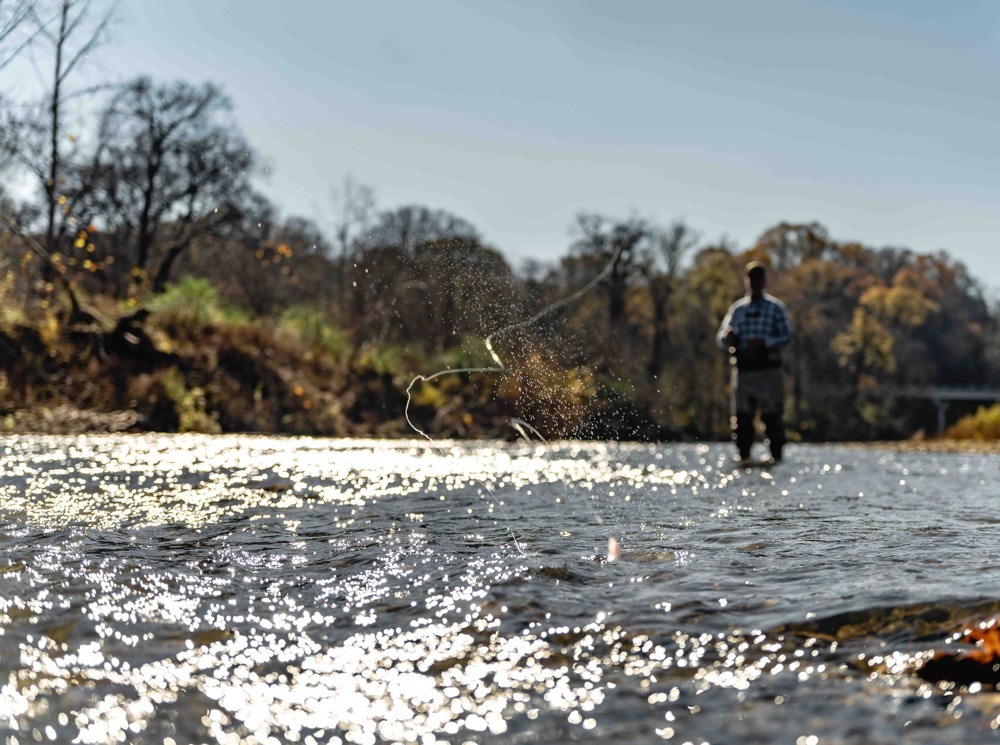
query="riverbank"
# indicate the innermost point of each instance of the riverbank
(183, 368)
(68, 420)
(65, 419)
(942, 445)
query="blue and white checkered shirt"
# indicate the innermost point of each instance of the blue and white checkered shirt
(762, 318)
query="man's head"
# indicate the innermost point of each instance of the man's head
(756, 277)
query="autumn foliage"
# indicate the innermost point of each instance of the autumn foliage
(146, 272)
(981, 664)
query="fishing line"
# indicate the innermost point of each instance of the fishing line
(519, 425)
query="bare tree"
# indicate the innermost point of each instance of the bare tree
(618, 242)
(465, 289)
(72, 30)
(168, 169)
(661, 267)
(354, 207)
(790, 244)
(69, 31)
(407, 227)
(15, 34)
(387, 254)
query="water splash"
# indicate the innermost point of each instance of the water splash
(519, 425)
(500, 367)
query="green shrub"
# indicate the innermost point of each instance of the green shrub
(399, 361)
(194, 301)
(309, 325)
(189, 403)
(10, 313)
(470, 354)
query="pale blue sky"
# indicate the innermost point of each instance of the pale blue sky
(879, 123)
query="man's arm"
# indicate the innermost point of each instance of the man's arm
(722, 336)
(781, 328)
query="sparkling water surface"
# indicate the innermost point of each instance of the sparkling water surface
(255, 589)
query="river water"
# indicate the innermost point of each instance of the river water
(252, 589)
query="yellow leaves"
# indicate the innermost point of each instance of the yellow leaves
(898, 305)
(62, 199)
(273, 254)
(865, 344)
(983, 425)
(83, 239)
(48, 329)
(299, 392)
(430, 395)
(883, 314)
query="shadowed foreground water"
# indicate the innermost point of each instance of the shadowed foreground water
(248, 589)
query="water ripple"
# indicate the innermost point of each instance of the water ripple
(257, 589)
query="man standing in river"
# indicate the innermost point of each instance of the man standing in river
(754, 331)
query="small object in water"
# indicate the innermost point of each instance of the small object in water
(275, 487)
(753, 463)
(614, 550)
(979, 665)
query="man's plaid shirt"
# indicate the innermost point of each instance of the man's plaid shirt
(764, 318)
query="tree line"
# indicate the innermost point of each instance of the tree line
(160, 186)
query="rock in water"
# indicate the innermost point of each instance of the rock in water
(978, 665)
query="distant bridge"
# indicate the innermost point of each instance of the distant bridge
(943, 396)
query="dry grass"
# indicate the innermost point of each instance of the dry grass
(934, 446)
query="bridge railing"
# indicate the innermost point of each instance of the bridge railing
(943, 395)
